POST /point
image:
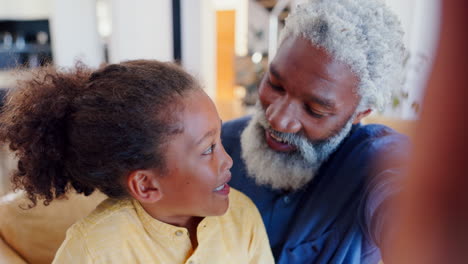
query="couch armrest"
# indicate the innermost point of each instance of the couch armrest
(8, 255)
(35, 234)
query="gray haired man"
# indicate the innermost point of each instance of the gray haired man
(303, 157)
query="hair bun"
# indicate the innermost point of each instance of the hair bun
(34, 123)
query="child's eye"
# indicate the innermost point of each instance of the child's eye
(209, 150)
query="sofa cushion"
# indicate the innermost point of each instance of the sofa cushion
(36, 234)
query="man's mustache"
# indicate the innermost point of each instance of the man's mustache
(295, 139)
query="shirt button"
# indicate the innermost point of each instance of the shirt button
(179, 233)
(191, 262)
(286, 199)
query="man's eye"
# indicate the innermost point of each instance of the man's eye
(209, 150)
(275, 87)
(313, 113)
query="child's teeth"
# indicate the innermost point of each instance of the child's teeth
(219, 188)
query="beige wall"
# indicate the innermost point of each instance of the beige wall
(6, 165)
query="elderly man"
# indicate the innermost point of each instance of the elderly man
(304, 158)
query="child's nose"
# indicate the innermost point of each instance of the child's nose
(227, 160)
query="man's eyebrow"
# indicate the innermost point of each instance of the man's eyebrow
(275, 72)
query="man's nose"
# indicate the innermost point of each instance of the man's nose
(282, 116)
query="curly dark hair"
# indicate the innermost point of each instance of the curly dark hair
(88, 130)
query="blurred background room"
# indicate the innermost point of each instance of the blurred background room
(227, 44)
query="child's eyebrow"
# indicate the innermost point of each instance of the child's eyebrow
(209, 134)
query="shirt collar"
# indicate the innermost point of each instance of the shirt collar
(160, 229)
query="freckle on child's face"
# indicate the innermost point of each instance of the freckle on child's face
(196, 184)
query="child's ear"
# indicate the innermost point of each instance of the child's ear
(144, 186)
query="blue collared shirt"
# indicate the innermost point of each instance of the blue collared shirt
(334, 218)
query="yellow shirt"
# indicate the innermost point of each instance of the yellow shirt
(120, 231)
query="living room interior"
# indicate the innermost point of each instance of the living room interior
(226, 44)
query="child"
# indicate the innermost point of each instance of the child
(145, 134)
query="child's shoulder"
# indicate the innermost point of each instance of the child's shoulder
(241, 205)
(109, 213)
(238, 199)
(241, 219)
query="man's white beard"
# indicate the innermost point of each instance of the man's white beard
(285, 170)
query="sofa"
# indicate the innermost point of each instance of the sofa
(34, 235)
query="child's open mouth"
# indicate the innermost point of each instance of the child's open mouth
(220, 187)
(224, 188)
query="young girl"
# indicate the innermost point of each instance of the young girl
(145, 134)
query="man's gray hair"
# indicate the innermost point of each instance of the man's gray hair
(365, 34)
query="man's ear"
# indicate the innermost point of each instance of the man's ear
(144, 186)
(361, 115)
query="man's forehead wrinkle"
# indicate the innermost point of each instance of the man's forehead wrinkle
(326, 71)
(316, 89)
(324, 74)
